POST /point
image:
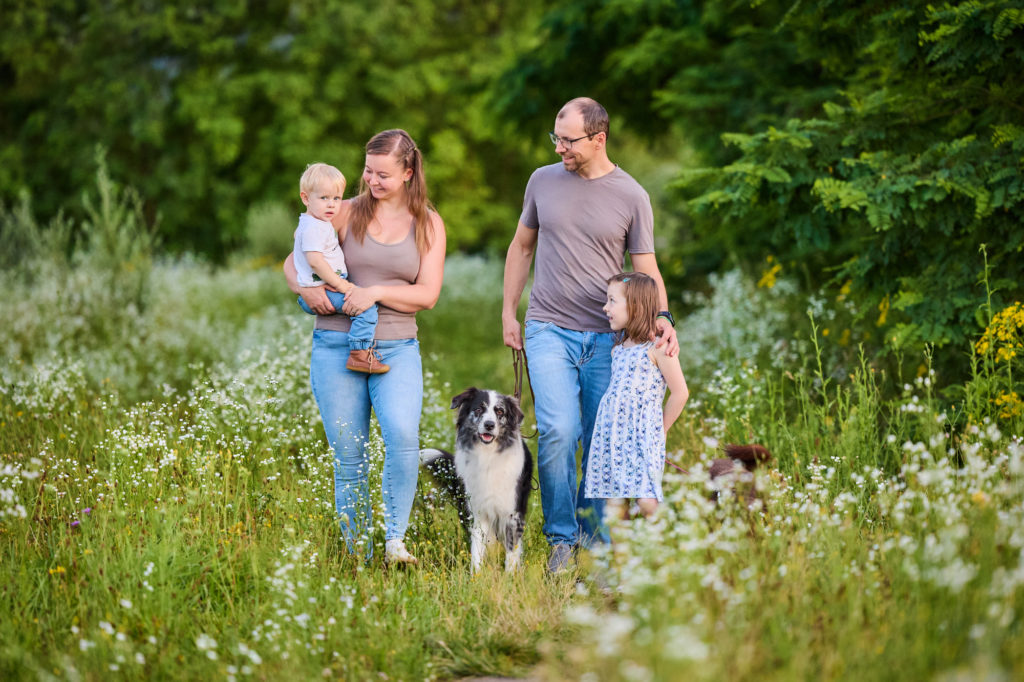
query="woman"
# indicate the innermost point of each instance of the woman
(394, 245)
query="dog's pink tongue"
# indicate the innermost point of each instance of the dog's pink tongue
(486, 437)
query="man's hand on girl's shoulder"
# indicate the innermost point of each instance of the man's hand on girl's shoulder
(666, 336)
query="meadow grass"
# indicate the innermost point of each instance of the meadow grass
(166, 505)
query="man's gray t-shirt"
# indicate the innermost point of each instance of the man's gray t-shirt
(584, 229)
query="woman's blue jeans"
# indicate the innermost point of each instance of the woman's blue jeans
(569, 372)
(345, 398)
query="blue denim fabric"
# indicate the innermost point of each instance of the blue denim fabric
(364, 325)
(345, 398)
(569, 372)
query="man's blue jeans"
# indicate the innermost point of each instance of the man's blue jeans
(364, 325)
(345, 398)
(569, 372)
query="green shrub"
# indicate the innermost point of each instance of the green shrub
(269, 231)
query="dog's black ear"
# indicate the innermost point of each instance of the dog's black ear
(512, 407)
(464, 396)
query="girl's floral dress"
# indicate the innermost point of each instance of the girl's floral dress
(627, 451)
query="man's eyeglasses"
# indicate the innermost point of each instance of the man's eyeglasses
(555, 139)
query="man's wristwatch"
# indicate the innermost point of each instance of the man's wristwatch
(667, 314)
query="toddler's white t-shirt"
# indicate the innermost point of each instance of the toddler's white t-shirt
(314, 234)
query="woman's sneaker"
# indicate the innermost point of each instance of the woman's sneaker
(396, 553)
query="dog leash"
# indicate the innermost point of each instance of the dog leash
(519, 367)
(676, 467)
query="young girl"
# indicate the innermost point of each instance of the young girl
(627, 452)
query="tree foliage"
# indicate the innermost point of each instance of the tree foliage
(207, 108)
(701, 68)
(872, 146)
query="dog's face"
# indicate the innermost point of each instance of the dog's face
(487, 417)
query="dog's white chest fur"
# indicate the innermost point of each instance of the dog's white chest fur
(490, 477)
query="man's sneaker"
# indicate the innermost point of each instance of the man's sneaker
(366, 361)
(559, 558)
(396, 553)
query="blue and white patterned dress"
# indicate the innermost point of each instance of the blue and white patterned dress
(627, 451)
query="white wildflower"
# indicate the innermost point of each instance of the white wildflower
(206, 643)
(682, 644)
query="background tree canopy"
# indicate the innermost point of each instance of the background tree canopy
(871, 147)
(208, 108)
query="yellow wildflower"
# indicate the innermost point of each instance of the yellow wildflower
(767, 280)
(883, 308)
(1004, 334)
(1009, 405)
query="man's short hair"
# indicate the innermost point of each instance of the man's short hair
(595, 118)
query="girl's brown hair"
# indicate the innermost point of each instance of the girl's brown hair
(396, 143)
(641, 306)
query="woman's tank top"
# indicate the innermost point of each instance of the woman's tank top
(372, 263)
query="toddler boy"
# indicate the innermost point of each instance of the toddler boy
(319, 260)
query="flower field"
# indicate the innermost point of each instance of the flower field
(166, 502)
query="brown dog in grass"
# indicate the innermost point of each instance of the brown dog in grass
(736, 470)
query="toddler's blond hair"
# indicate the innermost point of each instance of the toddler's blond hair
(321, 175)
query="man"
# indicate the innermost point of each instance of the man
(580, 217)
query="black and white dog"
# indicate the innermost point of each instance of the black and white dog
(489, 474)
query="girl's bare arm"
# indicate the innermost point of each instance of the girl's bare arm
(676, 382)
